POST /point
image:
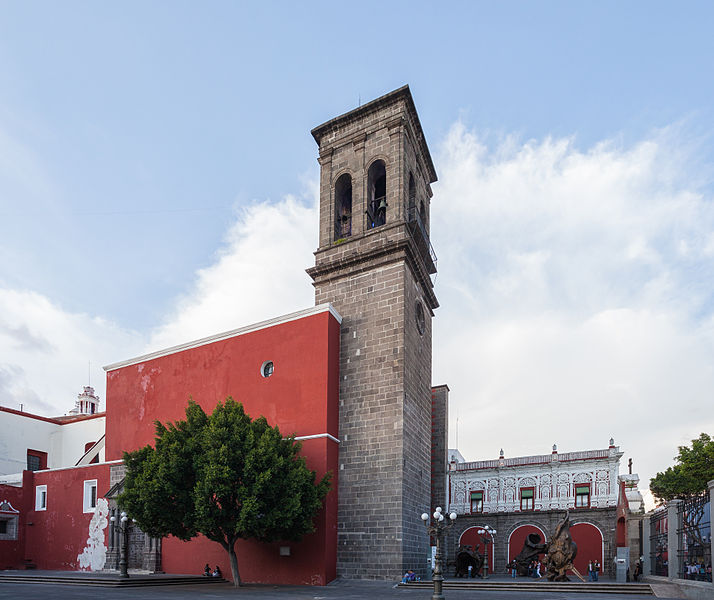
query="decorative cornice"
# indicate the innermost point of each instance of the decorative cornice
(403, 93)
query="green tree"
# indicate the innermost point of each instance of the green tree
(224, 476)
(689, 476)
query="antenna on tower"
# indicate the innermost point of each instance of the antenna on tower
(457, 427)
(89, 372)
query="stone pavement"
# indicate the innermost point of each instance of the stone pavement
(338, 590)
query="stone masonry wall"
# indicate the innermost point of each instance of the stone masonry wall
(505, 523)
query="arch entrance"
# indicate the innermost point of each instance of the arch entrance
(472, 537)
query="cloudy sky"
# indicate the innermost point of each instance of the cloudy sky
(158, 184)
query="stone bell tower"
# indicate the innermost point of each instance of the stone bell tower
(374, 264)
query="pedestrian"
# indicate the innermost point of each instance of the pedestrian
(216, 572)
(514, 570)
(596, 569)
(591, 571)
(206, 571)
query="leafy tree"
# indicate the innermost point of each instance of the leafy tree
(689, 477)
(224, 476)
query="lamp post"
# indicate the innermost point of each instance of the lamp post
(487, 533)
(122, 524)
(437, 529)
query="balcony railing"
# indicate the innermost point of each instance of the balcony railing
(421, 237)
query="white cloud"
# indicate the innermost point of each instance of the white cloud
(45, 352)
(570, 311)
(259, 273)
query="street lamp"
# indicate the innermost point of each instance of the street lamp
(437, 529)
(487, 533)
(122, 524)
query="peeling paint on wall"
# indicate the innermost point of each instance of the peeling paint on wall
(94, 554)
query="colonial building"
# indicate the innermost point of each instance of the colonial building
(529, 494)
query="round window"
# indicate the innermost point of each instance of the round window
(267, 369)
(420, 319)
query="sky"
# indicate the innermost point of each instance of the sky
(158, 183)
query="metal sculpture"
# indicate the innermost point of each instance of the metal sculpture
(466, 557)
(561, 552)
(532, 549)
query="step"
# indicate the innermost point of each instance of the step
(541, 586)
(109, 581)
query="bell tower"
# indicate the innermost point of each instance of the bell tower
(374, 264)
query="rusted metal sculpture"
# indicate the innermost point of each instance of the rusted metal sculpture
(466, 557)
(561, 552)
(532, 549)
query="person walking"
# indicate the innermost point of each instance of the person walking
(596, 569)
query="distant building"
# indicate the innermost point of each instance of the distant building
(529, 494)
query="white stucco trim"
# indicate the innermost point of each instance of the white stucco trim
(300, 438)
(109, 462)
(40, 502)
(315, 310)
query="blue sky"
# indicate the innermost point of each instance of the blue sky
(152, 153)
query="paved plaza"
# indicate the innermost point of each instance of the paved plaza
(339, 590)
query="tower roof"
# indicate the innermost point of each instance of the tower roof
(401, 94)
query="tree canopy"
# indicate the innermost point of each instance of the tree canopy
(225, 476)
(689, 476)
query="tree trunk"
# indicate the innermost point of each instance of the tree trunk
(234, 564)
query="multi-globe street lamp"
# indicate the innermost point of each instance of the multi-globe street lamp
(122, 524)
(487, 534)
(437, 530)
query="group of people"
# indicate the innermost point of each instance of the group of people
(698, 571)
(215, 573)
(534, 569)
(593, 570)
(410, 576)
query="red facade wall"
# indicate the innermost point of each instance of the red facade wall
(589, 541)
(301, 397)
(12, 552)
(59, 534)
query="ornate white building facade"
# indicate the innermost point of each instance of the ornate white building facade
(572, 480)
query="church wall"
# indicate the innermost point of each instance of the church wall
(301, 397)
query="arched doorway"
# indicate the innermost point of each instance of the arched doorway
(471, 537)
(589, 540)
(518, 538)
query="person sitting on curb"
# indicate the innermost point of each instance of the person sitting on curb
(409, 576)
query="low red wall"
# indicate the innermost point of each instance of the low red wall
(59, 534)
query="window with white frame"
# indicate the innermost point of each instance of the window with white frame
(41, 497)
(90, 495)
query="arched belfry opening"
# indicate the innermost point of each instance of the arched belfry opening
(343, 207)
(376, 194)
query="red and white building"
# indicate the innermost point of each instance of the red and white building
(529, 494)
